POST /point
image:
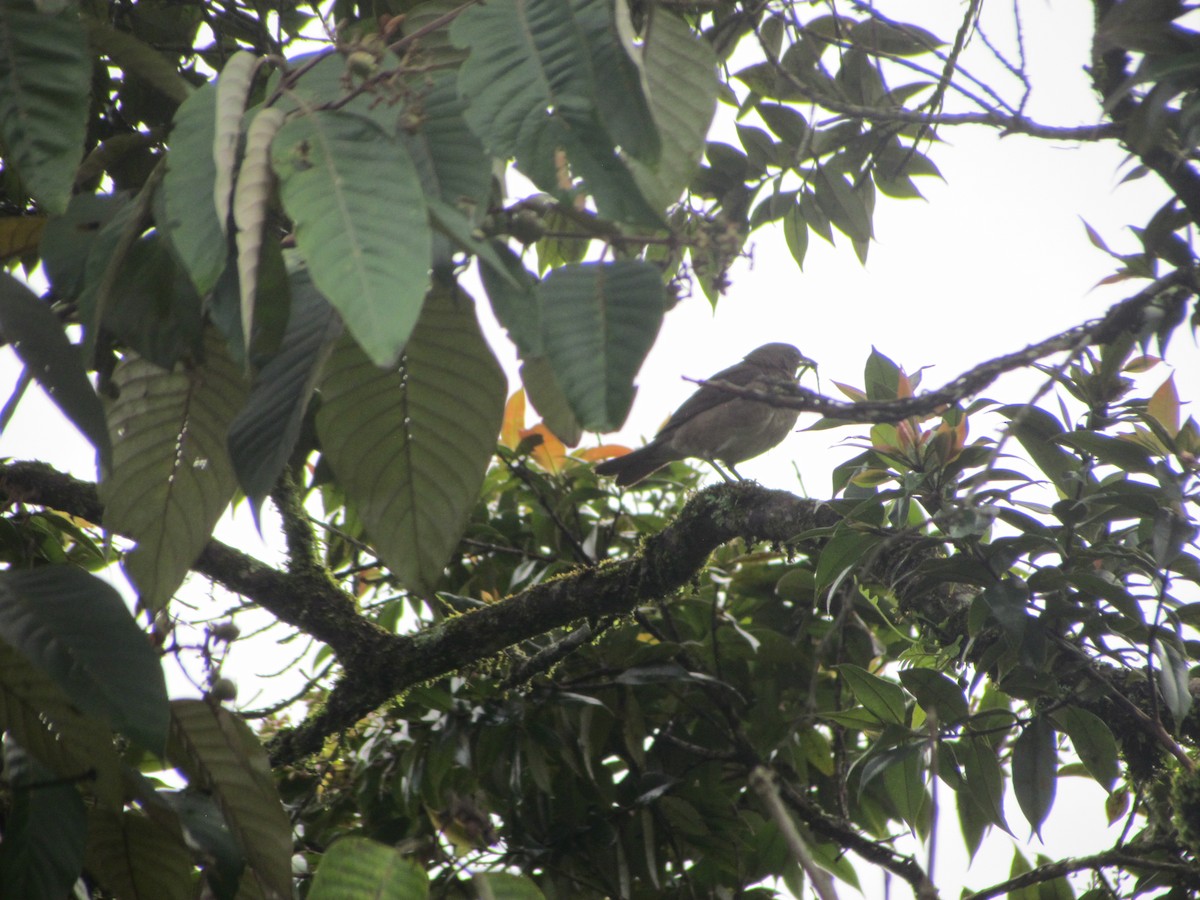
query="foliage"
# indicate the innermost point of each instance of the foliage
(534, 684)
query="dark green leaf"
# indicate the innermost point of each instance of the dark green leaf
(1093, 742)
(357, 867)
(937, 694)
(885, 699)
(1035, 771)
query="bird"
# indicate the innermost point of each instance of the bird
(715, 425)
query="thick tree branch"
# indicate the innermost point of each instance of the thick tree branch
(1119, 856)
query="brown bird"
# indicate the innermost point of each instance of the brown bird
(715, 425)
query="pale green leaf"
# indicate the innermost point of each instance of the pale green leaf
(138, 59)
(359, 867)
(45, 82)
(251, 199)
(233, 87)
(171, 477)
(221, 755)
(79, 631)
(361, 223)
(599, 321)
(544, 392)
(190, 219)
(410, 445)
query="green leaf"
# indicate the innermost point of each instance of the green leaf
(884, 699)
(358, 867)
(251, 200)
(843, 554)
(45, 829)
(505, 886)
(1038, 433)
(45, 84)
(546, 77)
(138, 59)
(69, 238)
(1123, 454)
(547, 397)
(233, 87)
(79, 631)
(680, 73)
(513, 292)
(189, 216)
(1173, 677)
(984, 778)
(36, 712)
(221, 755)
(937, 694)
(263, 434)
(361, 223)
(795, 234)
(599, 321)
(450, 158)
(171, 478)
(410, 446)
(37, 336)
(1093, 742)
(133, 856)
(845, 207)
(1035, 771)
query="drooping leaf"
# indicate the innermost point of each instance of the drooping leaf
(78, 630)
(361, 223)
(45, 73)
(513, 292)
(548, 399)
(233, 87)
(133, 856)
(263, 434)
(171, 476)
(1173, 677)
(680, 72)
(937, 694)
(410, 445)
(448, 155)
(45, 829)
(251, 198)
(358, 867)
(549, 83)
(189, 217)
(20, 235)
(54, 362)
(36, 712)
(1035, 771)
(221, 755)
(1093, 742)
(599, 321)
(69, 238)
(138, 59)
(984, 778)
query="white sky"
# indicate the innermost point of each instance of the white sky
(996, 259)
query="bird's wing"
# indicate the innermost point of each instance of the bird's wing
(706, 398)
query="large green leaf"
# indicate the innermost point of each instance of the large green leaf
(546, 77)
(448, 155)
(410, 446)
(68, 239)
(133, 856)
(190, 216)
(221, 755)
(358, 867)
(79, 631)
(39, 340)
(884, 699)
(45, 827)
(599, 321)
(1093, 742)
(682, 82)
(263, 434)
(361, 223)
(45, 74)
(36, 712)
(171, 477)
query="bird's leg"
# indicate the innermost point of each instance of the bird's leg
(722, 472)
(736, 473)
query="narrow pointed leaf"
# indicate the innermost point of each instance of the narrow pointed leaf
(358, 867)
(190, 218)
(1093, 742)
(220, 754)
(410, 446)
(45, 74)
(361, 223)
(54, 362)
(599, 321)
(263, 434)
(1035, 771)
(884, 699)
(171, 476)
(79, 631)
(250, 201)
(233, 87)
(137, 58)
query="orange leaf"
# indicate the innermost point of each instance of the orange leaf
(514, 419)
(1164, 407)
(550, 454)
(604, 451)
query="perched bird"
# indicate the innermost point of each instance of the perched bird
(715, 425)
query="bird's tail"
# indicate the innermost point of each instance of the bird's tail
(633, 467)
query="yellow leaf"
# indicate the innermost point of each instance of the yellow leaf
(551, 453)
(514, 419)
(1164, 407)
(604, 451)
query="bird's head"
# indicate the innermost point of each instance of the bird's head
(780, 357)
